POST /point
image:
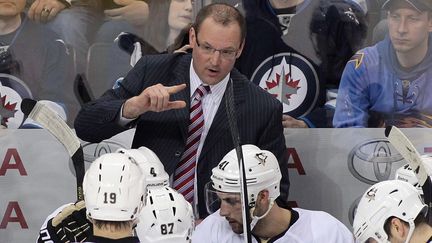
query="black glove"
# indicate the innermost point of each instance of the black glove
(70, 225)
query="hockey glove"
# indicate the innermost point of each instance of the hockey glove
(70, 225)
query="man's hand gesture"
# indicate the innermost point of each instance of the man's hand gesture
(154, 98)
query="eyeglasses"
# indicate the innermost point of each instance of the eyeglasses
(209, 50)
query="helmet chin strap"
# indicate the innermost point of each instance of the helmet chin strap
(410, 232)
(255, 219)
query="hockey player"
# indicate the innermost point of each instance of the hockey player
(69, 223)
(388, 83)
(270, 222)
(391, 211)
(114, 194)
(166, 218)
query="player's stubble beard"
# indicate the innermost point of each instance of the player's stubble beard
(237, 227)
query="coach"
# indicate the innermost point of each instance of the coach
(177, 104)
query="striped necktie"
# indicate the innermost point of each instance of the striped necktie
(185, 172)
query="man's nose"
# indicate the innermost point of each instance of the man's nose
(223, 210)
(215, 57)
(402, 27)
(188, 5)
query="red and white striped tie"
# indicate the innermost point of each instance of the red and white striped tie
(185, 173)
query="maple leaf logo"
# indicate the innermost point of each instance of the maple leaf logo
(290, 86)
(7, 110)
(273, 83)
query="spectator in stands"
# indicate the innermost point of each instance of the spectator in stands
(391, 211)
(180, 17)
(35, 55)
(166, 21)
(168, 18)
(75, 21)
(338, 30)
(130, 16)
(281, 57)
(388, 83)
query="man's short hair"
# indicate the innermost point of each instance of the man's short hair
(420, 219)
(223, 14)
(117, 225)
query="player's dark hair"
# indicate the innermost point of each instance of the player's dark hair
(116, 225)
(420, 219)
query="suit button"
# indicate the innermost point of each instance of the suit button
(177, 154)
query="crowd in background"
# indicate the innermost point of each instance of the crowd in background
(315, 39)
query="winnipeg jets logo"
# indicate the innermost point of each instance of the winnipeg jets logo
(12, 91)
(7, 110)
(11, 116)
(291, 79)
(289, 86)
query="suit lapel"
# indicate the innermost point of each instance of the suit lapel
(220, 125)
(181, 76)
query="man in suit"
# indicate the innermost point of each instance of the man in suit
(156, 96)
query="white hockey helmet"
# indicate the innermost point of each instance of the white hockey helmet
(393, 198)
(150, 164)
(114, 188)
(262, 172)
(405, 173)
(167, 217)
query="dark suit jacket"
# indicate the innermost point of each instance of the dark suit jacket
(259, 118)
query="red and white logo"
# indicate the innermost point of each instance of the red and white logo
(291, 79)
(12, 91)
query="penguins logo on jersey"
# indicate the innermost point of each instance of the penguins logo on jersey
(12, 91)
(290, 78)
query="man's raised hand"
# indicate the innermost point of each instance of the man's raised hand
(154, 98)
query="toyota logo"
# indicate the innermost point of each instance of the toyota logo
(372, 161)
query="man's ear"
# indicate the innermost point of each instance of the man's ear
(192, 37)
(263, 195)
(399, 230)
(240, 49)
